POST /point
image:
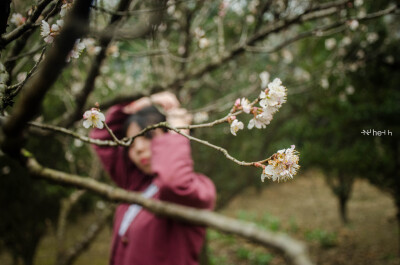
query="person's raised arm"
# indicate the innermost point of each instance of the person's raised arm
(173, 164)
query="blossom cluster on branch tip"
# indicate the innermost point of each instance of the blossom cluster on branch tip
(271, 98)
(93, 118)
(282, 166)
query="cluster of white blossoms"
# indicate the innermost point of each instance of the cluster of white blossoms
(282, 166)
(270, 99)
(93, 118)
(49, 32)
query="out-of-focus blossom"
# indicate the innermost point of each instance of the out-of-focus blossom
(236, 126)
(17, 19)
(372, 37)
(223, 8)
(112, 50)
(204, 43)
(250, 19)
(353, 24)
(350, 90)
(199, 33)
(358, 2)
(91, 48)
(360, 54)
(21, 76)
(77, 50)
(389, 59)
(200, 117)
(264, 76)
(287, 56)
(345, 41)
(324, 83)
(330, 44)
(283, 165)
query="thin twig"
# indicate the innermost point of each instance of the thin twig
(17, 87)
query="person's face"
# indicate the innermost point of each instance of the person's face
(140, 150)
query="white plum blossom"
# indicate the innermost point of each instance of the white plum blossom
(77, 50)
(274, 95)
(48, 33)
(246, 106)
(17, 19)
(236, 126)
(264, 76)
(93, 118)
(282, 166)
(260, 121)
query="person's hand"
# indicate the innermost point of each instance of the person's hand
(166, 100)
(179, 117)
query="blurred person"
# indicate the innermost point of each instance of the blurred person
(158, 164)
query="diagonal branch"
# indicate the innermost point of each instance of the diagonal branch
(295, 251)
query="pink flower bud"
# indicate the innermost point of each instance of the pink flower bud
(256, 164)
(237, 103)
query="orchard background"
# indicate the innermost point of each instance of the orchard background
(339, 61)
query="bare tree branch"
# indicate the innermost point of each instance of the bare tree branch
(292, 249)
(319, 30)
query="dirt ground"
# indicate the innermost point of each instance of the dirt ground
(371, 237)
(304, 208)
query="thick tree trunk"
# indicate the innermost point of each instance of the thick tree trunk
(341, 185)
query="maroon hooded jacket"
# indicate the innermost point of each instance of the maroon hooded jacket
(148, 239)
